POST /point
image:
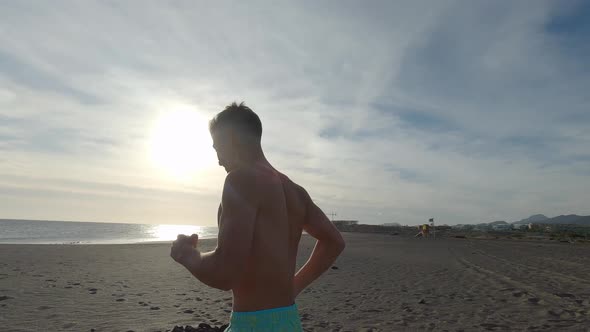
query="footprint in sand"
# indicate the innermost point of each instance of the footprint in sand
(534, 300)
(555, 312)
(3, 297)
(305, 317)
(188, 311)
(518, 294)
(494, 327)
(120, 300)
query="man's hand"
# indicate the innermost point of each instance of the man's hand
(184, 250)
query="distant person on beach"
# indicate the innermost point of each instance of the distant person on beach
(261, 218)
(423, 231)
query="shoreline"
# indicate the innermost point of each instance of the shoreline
(88, 243)
(81, 243)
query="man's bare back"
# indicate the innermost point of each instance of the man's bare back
(267, 281)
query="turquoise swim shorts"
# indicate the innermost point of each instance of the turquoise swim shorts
(284, 319)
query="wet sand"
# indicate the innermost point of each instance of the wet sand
(382, 283)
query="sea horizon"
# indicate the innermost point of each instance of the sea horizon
(27, 231)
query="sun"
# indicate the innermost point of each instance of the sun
(180, 143)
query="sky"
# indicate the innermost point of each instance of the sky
(391, 111)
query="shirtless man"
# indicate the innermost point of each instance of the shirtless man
(261, 218)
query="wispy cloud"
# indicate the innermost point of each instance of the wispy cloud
(465, 111)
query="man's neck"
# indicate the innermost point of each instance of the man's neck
(255, 158)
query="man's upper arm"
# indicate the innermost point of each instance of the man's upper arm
(318, 225)
(236, 223)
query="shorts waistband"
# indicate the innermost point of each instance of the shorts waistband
(290, 308)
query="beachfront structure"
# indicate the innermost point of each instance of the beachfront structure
(502, 227)
(345, 222)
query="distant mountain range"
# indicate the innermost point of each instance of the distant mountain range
(532, 219)
(570, 219)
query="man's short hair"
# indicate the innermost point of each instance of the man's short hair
(240, 117)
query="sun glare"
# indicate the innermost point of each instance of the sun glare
(181, 144)
(169, 232)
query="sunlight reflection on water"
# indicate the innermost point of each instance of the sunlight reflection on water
(169, 232)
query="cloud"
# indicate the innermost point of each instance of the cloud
(386, 111)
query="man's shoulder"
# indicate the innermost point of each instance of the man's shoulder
(241, 178)
(242, 175)
(256, 178)
(257, 174)
(247, 180)
(239, 187)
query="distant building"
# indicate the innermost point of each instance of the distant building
(481, 227)
(502, 227)
(345, 222)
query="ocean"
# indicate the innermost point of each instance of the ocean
(69, 232)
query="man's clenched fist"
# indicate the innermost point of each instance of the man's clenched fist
(184, 249)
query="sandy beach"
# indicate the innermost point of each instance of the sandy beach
(381, 283)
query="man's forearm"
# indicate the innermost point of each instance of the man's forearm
(323, 256)
(208, 268)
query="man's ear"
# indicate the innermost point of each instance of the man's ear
(234, 138)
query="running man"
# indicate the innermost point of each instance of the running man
(261, 218)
